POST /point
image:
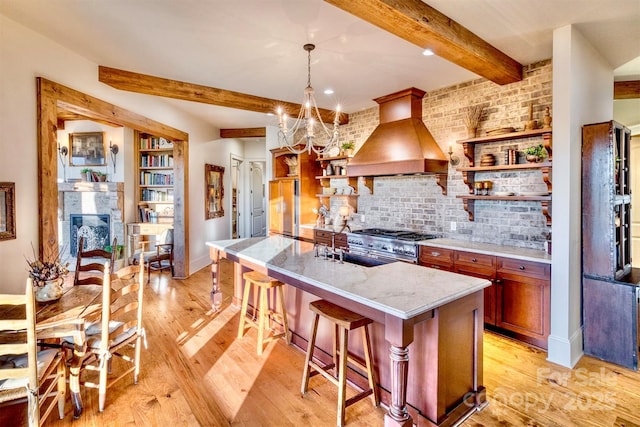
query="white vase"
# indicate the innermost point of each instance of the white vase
(50, 290)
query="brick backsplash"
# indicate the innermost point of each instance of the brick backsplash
(417, 203)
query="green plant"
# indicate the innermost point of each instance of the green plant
(86, 170)
(350, 145)
(100, 173)
(536, 150)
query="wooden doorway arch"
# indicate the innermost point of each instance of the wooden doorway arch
(54, 100)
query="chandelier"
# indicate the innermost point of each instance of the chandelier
(308, 132)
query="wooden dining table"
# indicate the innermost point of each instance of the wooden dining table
(65, 318)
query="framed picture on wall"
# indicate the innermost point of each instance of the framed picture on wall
(87, 149)
(214, 191)
(7, 211)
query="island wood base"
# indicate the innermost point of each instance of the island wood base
(429, 368)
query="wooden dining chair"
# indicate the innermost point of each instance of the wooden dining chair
(162, 258)
(118, 332)
(26, 373)
(88, 269)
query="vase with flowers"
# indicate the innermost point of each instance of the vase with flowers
(48, 276)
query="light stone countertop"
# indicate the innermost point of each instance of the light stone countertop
(400, 289)
(490, 249)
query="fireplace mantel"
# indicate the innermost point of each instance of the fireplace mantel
(94, 199)
(91, 186)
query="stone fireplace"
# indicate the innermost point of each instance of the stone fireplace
(90, 209)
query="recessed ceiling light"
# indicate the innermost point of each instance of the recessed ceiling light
(427, 52)
(328, 91)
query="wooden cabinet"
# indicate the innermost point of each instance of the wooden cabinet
(282, 206)
(155, 179)
(292, 192)
(484, 267)
(610, 285)
(469, 173)
(519, 299)
(523, 299)
(441, 259)
(326, 237)
(606, 200)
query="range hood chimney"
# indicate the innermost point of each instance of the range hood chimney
(401, 144)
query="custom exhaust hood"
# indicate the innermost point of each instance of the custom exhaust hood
(401, 144)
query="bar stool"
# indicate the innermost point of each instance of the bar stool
(344, 321)
(262, 284)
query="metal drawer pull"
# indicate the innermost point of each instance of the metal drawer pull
(474, 260)
(522, 267)
(435, 253)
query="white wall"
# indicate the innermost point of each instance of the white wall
(25, 55)
(582, 94)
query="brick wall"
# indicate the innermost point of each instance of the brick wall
(417, 203)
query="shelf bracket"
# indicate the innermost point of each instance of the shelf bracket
(546, 177)
(469, 148)
(545, 210)
(547, 144)
(441, 181)
(469, 179)
(367, 181)
(468, 205)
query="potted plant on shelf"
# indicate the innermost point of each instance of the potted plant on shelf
(347, 148)
(86, 174)
(99, 176)
(48, 276)
(535, 153)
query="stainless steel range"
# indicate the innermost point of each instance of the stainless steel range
(386, 245)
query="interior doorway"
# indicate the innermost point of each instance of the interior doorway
(257, 199)
(236, 197)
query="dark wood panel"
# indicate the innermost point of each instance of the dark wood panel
(523, 307)
(610, 312)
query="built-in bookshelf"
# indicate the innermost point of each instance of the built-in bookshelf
(155, 184)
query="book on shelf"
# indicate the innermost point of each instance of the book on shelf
(156, 160)
(155, 143)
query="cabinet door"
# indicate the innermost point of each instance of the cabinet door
(275, 208)
(489, 293)
(282, 210)
(523, 307)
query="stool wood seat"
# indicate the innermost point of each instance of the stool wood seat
(262, 284)
(344, 321)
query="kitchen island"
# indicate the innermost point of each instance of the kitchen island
(431, 317)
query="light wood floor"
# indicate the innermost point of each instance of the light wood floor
(196, 373)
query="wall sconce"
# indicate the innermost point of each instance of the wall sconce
(344, 213)
(63, 151)
(453, 160)
(113, 148)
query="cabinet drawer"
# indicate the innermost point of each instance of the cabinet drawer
(524, 268)
(436, 257)
(324, 237)
(474, 259)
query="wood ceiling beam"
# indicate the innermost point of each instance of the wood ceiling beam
(243, 133)
(158, 86)
(626, 90)
(422, 25)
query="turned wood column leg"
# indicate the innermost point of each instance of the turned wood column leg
(398, 416)
(216, 294)
(74, 382)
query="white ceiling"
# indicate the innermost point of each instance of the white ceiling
(255, 46)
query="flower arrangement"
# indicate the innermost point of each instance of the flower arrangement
(50, 269)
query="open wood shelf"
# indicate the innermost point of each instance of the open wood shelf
(506, 136)
(540, 165)
(468, 202)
